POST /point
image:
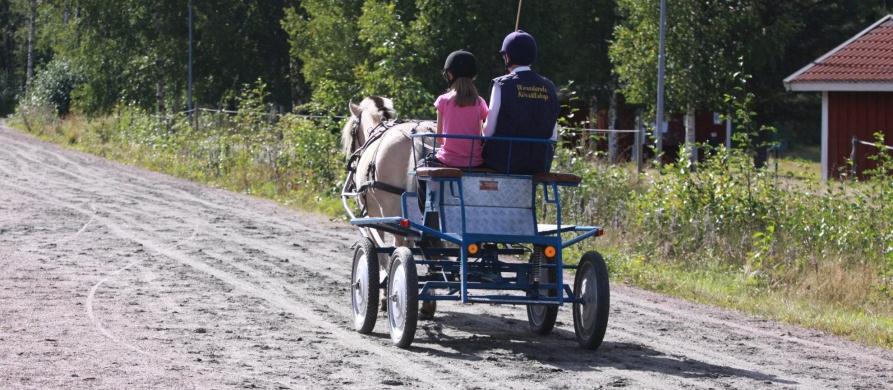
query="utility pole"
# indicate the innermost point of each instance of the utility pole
(189, 106)
(661, 67)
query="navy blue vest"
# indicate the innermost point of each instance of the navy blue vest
(529, 109)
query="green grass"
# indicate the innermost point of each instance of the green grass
(83, 135)
(803, 162)
(724, 287)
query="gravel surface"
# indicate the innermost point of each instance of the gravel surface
(116, 277)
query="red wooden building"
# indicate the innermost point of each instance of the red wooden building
(856, 82)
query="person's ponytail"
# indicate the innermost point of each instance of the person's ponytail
(466, 92)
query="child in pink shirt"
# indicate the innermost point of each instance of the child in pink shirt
(460, 111)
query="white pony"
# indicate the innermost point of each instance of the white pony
(383, 166)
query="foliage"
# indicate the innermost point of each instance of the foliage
(701, 51)
(388, 68)
(53, 85)
(322, 35)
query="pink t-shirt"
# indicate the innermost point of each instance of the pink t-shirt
(457, 120)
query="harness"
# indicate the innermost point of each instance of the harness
(371, 181)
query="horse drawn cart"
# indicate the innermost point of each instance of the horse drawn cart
(475, 237)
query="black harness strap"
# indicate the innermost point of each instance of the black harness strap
(380, 185)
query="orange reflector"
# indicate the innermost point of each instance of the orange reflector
(600, 232)
(473, 248)
(404, 223)
(549, 251)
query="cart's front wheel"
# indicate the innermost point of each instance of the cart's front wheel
(593, 294)
(364, 286)
(403, 293)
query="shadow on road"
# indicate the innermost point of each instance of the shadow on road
(498, 338)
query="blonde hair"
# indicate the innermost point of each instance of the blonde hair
(466, 92)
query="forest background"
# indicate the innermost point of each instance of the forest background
(95, 55)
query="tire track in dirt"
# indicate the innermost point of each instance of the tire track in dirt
(353, 340)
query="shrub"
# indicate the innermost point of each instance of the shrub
(52, 86)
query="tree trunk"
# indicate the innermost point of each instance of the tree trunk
(32, 19)
(613, 147)
(690, 139)
(585, 137)
(66, 13)
(160, 96)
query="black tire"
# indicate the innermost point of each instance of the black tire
(541, 318)
(364, 286)
(591, 316)
(403, 297)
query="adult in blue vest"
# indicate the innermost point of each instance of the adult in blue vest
(522, 104)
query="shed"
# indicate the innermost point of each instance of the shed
(856, 82)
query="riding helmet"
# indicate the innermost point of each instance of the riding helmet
(521, 48)
(461, 64)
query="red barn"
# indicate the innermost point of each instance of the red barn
(856, 82)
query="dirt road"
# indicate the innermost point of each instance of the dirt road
(116, 277)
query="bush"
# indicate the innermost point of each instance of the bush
(52, 86)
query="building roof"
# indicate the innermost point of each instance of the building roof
(863, 63)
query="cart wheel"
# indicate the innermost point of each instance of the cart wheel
(426, 312)
(403, 302)
(541, 318)
(591, 287)
(364, 286)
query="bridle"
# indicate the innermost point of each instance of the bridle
(357, 120)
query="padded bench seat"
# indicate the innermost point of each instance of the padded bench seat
(455, 173)
(556, 177)
(439, 172)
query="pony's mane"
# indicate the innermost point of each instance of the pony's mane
(381, 109)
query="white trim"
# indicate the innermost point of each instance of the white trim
(873, 86)
(836, 49)
(824, 135)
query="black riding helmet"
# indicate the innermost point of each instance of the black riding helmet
(521, 48)
(461, 64)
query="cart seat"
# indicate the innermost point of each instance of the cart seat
(438, 173)
(480, 169)
(556, 177)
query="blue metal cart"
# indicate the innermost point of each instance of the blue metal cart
(477, 239)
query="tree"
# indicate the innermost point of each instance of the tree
(323, 35)
(10, 84)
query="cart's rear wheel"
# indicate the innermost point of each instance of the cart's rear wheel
(364, 286)
(403, 302)
(591, 288)
(541, 318)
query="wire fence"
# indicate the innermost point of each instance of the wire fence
(275, 115)
(854, 157)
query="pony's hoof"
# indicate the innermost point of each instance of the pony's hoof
(427, 310)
